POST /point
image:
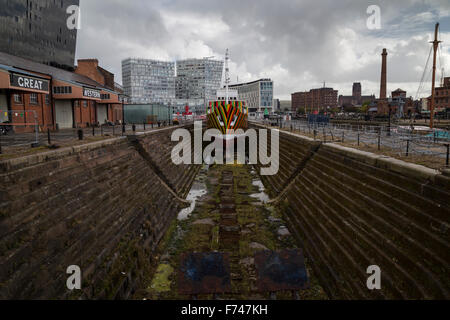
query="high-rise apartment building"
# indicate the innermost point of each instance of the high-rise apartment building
(37, 30)
(198, 80)
(149, 81)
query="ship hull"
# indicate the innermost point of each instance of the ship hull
(227, 118)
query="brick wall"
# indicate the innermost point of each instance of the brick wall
(99, 206)
(115, 112)
(350, 209)
(84, 114)
(89, 68)
(41, 108)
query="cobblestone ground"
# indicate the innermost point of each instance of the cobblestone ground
(250, 226)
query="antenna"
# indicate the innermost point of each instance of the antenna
(227, 74)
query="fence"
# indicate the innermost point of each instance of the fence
(23, 119)
(395, 140)
(14, 143)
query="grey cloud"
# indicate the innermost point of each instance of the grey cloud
(302, 37)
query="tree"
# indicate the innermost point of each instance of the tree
(301, 110)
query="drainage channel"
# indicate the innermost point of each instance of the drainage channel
(230, 245)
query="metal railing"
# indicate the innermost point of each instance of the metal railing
(16, 142)
(394, 139)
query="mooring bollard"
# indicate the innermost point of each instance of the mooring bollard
(80, 134)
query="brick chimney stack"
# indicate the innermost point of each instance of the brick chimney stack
(383, 88)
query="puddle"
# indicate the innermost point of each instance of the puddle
(197, 191)
(261, 196)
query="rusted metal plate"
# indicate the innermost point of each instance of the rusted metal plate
(280, 271)
(204, 273)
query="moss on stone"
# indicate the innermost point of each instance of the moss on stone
(161, 280)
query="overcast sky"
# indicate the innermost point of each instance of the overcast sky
(298, 43)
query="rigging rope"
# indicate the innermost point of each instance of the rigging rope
(419, 90)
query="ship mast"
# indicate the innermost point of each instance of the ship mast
(433, 84)
(227, 75)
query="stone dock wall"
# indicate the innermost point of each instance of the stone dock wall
(101, 206)
(350, 209)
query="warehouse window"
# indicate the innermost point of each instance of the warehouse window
(18, 98)
(34, 98)
(62, 90)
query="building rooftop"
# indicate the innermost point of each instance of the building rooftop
(17, 64)
(247, 83)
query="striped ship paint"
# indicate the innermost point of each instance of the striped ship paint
(227, 117)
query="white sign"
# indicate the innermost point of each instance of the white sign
(91, 93)
(29, 83)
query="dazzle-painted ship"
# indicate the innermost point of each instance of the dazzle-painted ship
(227, 113)
(227, 116)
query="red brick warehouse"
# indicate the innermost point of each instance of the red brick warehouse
(56, 97)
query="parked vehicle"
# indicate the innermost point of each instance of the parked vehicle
(4, 129)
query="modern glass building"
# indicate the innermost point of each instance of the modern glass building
(198, 79)
(258, 96)
(149, 81)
